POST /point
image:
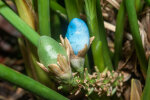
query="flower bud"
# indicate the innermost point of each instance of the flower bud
(78, 35)
(78, 41)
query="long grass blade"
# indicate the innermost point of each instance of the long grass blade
(119, 34)
(103, 38)
(28, 84)
(136, 35)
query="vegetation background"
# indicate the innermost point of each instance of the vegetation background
(121, 28)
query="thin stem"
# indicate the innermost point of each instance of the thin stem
(44, 17)
(19, 24)
(119, 34)
(28, 84)
(136, 35)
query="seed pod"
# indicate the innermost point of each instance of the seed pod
(53, 58)
(48, 50)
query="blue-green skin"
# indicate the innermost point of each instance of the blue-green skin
(78, 35)
(48, 49)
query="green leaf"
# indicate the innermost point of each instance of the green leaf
(72, 9)
(28, 84)
(103, 37)
(119, 34)
(96, 27)
(27, 14)
(99, 62)
(136, 35)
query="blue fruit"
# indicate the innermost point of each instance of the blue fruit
(78, 35)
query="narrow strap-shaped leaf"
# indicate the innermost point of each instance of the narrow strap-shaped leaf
(96, 27)
(29, 84)
(103, 37)
(136, 35)
(119, 34)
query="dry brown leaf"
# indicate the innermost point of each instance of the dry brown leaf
(136, 90)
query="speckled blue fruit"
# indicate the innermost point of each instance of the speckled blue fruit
(78, 35)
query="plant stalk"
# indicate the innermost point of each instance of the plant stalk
(44, 17)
